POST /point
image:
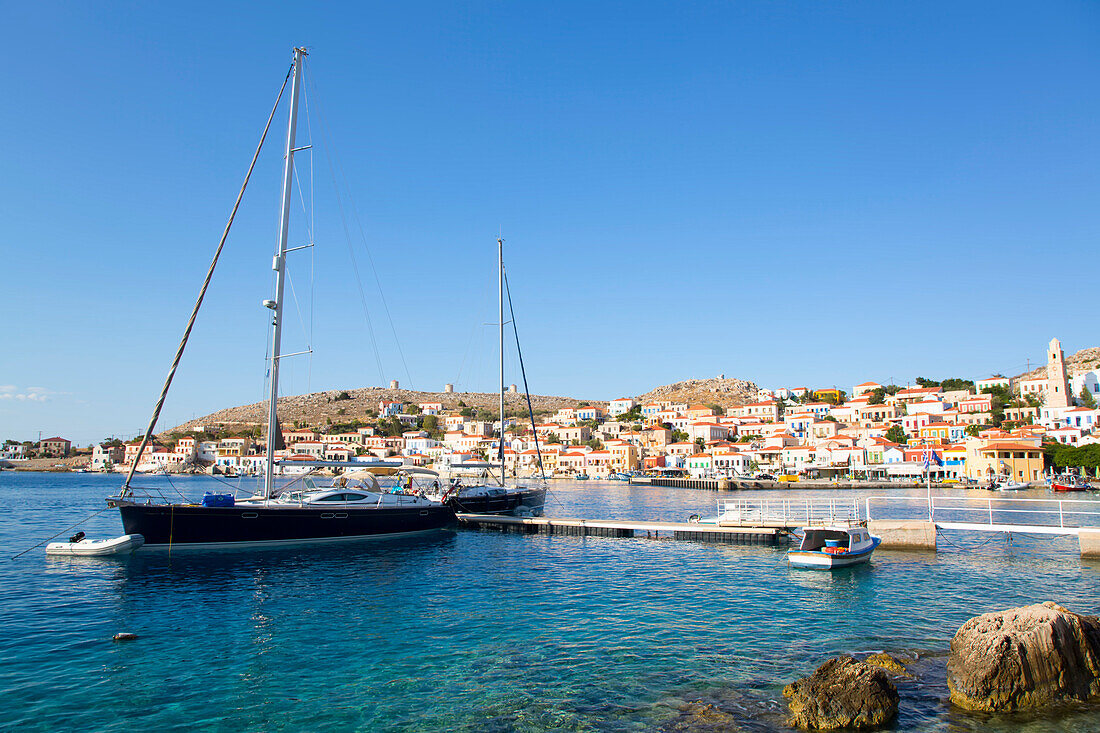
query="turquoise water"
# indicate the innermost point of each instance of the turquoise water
(479, 631)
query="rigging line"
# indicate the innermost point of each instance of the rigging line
(82, 521)
(294, 297)
(312, 240)
(202, 291)
(362, 233)
(523, 373)
(347, 233)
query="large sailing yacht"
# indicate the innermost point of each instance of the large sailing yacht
(348, 509)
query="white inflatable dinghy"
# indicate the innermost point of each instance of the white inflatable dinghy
(79, 545)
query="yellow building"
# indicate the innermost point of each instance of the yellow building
(1019, 461)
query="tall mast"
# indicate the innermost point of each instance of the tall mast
(500, 288)
(279, 266)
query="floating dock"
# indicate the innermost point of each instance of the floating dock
(736, 484)
(691, 531)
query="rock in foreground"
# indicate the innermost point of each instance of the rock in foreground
(1024, 658)
(842, 693)
(701, 717)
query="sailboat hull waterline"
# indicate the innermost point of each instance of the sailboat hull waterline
(513, 501)
(184, 526)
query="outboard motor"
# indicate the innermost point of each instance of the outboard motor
(78, 537)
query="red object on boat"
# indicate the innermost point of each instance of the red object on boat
(1068, 486)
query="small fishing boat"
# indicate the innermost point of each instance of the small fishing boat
(1005, 483)
(1069, 482)
(581, 477)
(80, 545)
(620, 476)
(825, 548)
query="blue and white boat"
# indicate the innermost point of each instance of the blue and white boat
(825, 548)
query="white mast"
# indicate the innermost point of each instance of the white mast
(279, 266)
(500, 287)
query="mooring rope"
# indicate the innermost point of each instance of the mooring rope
(67, 529)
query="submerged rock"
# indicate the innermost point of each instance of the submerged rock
(893, 665)
(1024, 658)
(842, 693)
(701, 717)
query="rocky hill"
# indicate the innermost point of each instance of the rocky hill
(1082, 361)
(322, 408)
(717, 391)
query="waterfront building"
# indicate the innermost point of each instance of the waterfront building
(1019, 460)
(105, 457)
(13, 452)
(290, 437)
(387, 408)
(621, 406)
(995, 381)
(55, 447)
(1033, 386)
(861, 389)
(1088, 382)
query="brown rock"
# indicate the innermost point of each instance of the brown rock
(1024, 658)
(701, 717)
(842, 693)
(892, 664)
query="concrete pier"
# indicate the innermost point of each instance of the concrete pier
(691, 531)
(1089, 538)
(897, 534)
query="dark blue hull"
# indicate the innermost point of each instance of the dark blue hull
(529, 502)
(188, 525)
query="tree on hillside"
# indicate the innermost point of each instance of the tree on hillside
(955, 384)
(1085, 398)
(430, 423)
(926, 383)
(973, 430)
(679, 436)
(876, 396)
(892, 389)
(700, 443)
(896, 435)
(718, 409)
(412, 409)
(467, 412)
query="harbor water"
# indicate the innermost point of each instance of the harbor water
(480, 631)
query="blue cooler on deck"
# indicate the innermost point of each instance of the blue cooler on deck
(210, 499)
(828, 543)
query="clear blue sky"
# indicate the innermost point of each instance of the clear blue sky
(793, 193)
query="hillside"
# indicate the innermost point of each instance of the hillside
(724, 392)
(322, 408)
(1082, 361)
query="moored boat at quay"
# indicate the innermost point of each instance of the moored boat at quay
(277, 514)
(1069, 482)
(826, 548)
